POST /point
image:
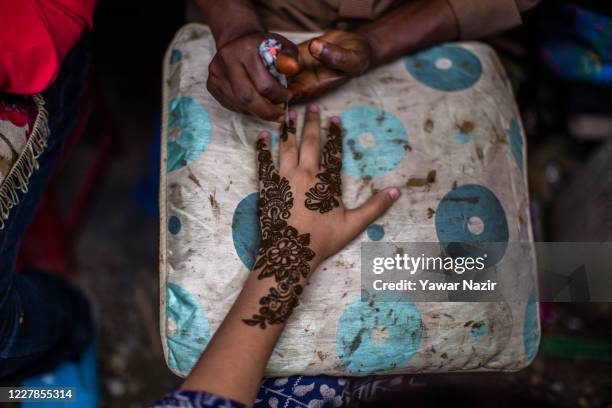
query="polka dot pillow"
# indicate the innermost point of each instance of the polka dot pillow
(442, 124)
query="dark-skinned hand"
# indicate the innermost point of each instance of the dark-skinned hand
(240, 82)
(329, 61)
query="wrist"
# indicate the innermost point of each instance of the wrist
(243, 19)
(229, 34)
(416, 25)
(377, 46)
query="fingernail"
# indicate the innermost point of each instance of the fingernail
(335, 120)
(316, 47)
(394, 193)
(265, 135)
(313, 108)
(292, 115)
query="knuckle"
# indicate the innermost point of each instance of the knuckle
(210, 85)
(213, 67)
(245, 97)
(310, 175)
(266, 89)
(338, 58)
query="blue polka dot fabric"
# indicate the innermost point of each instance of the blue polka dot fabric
(374, 142)
(374, 335)
(376, 232)
(449, 68)
(188, 331)
(189, 130)
(441, 125)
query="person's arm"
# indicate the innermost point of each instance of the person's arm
(416, 25)
(303, 221)
(231, 19)
(335, 57)
(236, 76)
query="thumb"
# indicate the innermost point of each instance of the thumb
(287, 65)
(336, 57)
(359, 218)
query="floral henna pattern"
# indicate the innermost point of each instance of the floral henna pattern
(286, 258)
(284, 252)
(326, 193)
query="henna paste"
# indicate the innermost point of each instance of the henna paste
(326, 193)
(287, 127)
(284, 252)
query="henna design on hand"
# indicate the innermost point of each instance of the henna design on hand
(286, 128)
(327, 192)
(284, 252)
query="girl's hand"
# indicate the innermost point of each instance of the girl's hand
(303, 220)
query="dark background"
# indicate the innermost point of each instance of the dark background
(117, 243)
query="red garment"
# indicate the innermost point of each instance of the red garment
(35, 36)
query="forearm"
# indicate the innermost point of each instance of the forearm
(411, 27)
(234, 361)
(230, 19)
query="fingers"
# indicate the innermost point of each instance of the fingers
(287, 65)
(289, 48)
(265, 165)
(308, 85)
(310, 145)
(213, 86)
(359, 218)
(232, 86)
(338, 58)
(266, 85)
(288, 144)
(332, 151)
(248, 99)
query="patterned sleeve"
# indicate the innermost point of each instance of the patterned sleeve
(195, 399)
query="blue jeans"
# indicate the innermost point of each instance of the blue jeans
(43, 319)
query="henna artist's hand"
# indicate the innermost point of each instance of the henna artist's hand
(239, 81)
(334, 58)
(329, 61)
(303, 219)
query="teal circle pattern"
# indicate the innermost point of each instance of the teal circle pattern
(531, 328)
(462, 137)
(397, 317)
(192, 328)
(478, 329)
(448, 68)
(246, 230)
(174, 225)
(452, 216)
(175, 56)
(388, 138)
(376, 232)
(189, 132)
(516, 143)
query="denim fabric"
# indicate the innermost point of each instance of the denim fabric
(43, 319)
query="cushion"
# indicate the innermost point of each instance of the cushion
(442, 124)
